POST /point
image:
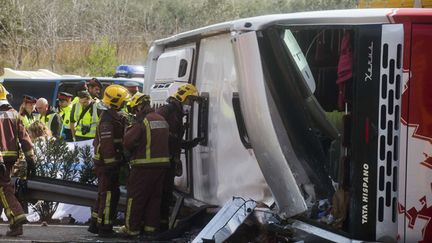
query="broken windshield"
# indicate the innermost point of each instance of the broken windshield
(307, 106)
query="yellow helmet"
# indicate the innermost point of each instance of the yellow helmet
(115, 95)
(3, 93)
(185, 91)
(137, 99)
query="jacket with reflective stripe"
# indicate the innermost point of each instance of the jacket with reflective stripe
(147, 140)
(64, 114)
(27, 119)
(108, 147)
(89, 119)
(52, 120)
(173, 114)
(13, 133)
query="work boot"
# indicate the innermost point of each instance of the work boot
(125, 233)
(93, 228)
(15, 230)
(164, 224)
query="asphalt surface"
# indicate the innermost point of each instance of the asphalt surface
(55, 233)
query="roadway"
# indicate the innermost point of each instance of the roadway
(55, 233)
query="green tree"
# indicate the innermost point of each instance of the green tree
(102, 59)
(54, 159)
(87, 173)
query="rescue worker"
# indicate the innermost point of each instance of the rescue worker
(147, 141)
(132, 87)
(64, 111)
(178, 105)
(94, 88)
(129, 111)
(84, 117)
(49, 117)
(13, 136)
(81, 86)
(108, 158)
(26, 110)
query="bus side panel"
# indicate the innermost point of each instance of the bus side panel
(415, 201)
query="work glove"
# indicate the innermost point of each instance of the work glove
(126, 155)
(191, 143)
(20, 188)
(196, 141)
(178, 167)
(31, 168)
(3, 168)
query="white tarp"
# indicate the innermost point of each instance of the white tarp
(80, 213)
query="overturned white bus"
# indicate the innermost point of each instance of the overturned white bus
(324, 113)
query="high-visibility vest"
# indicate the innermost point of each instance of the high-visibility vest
(27, 120)
(47, 119)
(64, 114)
(75, 100)
(89, 119)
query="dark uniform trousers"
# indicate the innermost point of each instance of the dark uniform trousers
(172, 112)
(144, 198)
(108, 159)
(105, 208)
(167, 193)
(10, 203)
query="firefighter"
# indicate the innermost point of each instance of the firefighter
(147, 141)
(94, 88)
(133, 87)
(129, 111)
(108, 158)
(64, 111)
(13, 136)
(84, 117)
(26, 110)
(49, 117)
(178, 105)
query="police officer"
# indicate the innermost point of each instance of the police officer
(64, 111)
(26, 110)
(84, 117)
(49, 117)
(81, 86)
(94, 88)
(147, 140)
(108, 157)
(13, 136)
(178, 105)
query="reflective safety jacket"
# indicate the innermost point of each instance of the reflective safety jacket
(75, 100)
(147, 140)
(86, 126)
(108, 147)
(64, 113)
(27, 119)
(52, 120)
(173, 114)
(12, 134)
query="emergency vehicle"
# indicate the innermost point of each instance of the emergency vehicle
(47, 84)
(327, 114)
